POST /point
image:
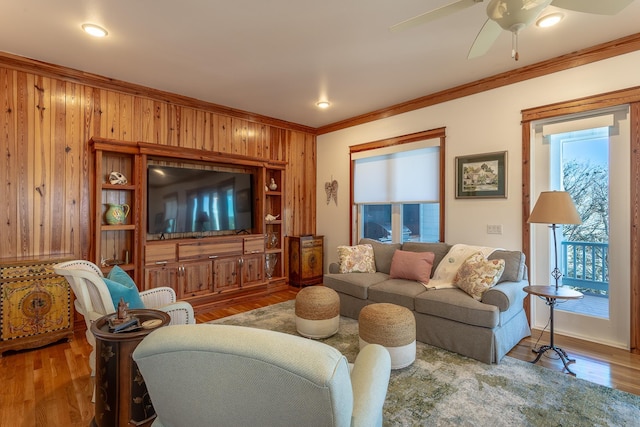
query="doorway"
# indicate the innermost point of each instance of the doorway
(587, 156)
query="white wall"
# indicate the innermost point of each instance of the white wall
(480, 123)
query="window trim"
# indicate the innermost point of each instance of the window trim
(439, 133)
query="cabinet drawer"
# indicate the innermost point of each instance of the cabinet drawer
(253, 245)
(160, 254)
(312, 243)
(35, 270)
(207, 250)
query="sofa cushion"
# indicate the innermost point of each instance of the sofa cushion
(412, 266)
(477, 274)
(382, 253)
(396, 291)
(354, 284)
(455, 304)
(513, 264)
(356, 259)
(439, 250)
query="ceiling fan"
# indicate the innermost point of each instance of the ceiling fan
(511, 15)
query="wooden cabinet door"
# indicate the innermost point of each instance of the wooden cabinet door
(162, 275)
(311, 263)
(252, 270)
(225, 273)
(195, 279)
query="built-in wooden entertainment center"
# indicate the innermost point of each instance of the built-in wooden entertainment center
(206, 269)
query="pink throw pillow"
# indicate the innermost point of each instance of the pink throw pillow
(412, 266)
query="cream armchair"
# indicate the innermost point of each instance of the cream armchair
(227, 375)
(94, 301)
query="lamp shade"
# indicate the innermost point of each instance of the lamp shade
(554, 207)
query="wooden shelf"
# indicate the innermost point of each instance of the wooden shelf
(129, 187)
(118, 227)
(125, 267)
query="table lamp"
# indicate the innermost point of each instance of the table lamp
(555, 207)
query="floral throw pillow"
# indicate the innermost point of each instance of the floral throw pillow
(478, 274)
(356, 259)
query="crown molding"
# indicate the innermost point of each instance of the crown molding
(575, 59)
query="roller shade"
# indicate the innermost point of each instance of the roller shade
(410, 176)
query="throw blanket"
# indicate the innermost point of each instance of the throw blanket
(448, 267)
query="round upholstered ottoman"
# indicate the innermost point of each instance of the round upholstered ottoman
(317, 312)
(391, 326)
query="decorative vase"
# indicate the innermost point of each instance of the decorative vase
(116, 214)
(270, 262)
(271, 240)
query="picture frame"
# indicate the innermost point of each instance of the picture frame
(481, 176)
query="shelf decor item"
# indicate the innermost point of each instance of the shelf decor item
(271, 240)
(481, 176)
(271, 218)
(117, 178)
(117, 214)
(272, 185)
(270, 262)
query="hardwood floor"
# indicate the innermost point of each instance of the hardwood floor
(52, 386)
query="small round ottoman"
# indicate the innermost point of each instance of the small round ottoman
(391, 326)
(317, 312)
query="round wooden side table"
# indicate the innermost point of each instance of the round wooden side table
(121, 393)
(551, 295)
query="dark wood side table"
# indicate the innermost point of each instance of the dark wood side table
(551, 295)
(121, 394)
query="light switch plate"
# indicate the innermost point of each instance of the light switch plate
(494, 228)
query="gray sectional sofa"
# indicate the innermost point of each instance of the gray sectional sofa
(448, 318)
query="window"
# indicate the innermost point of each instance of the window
(397, 188)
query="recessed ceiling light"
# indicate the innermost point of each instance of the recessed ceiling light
(94, 30)
(323, 104)
(549, 20)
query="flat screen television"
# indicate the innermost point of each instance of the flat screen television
(187, 200)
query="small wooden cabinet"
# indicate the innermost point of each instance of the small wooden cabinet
(35, 304)
(305, 260)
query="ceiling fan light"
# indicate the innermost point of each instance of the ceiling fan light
(549, 20)
(94, 30)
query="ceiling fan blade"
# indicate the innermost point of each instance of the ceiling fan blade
(434, 14)
(598, 7)
(485, 39)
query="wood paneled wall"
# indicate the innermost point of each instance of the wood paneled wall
(47, 121)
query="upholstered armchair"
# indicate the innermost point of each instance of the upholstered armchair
(94, 300)
(227, 375)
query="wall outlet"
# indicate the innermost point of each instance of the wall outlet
(494, 228)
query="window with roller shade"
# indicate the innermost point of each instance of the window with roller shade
(397, 191)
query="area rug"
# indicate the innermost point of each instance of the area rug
(445, 389)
